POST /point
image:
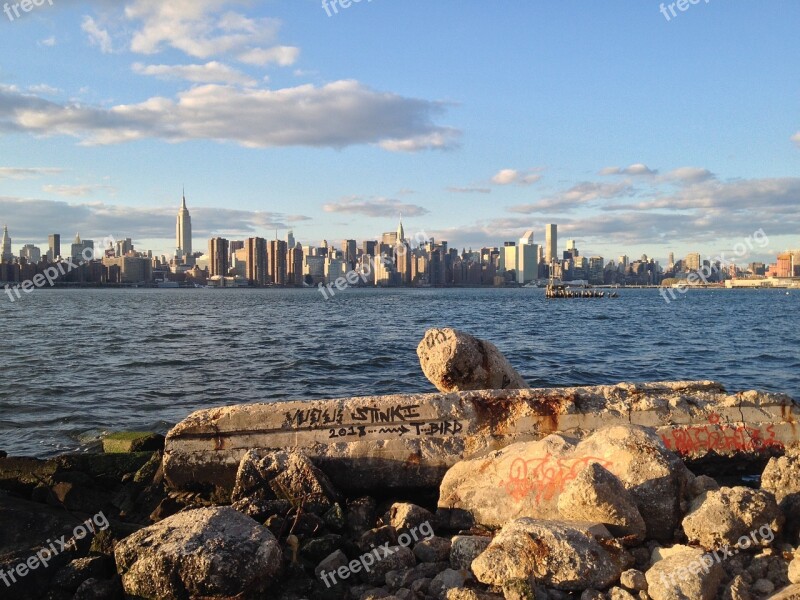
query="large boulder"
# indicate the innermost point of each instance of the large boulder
(526, 479)
(207, 552)
(732, 516)
(565, 556)
(268, 483)
(688, 573)
(781, 476)
(455, 361)
(791, 592)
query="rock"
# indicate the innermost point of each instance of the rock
(762, 587)
(79, 570)
(592, 595)
(21, 475)
(597, 496)
(360, 516)
(410, 440)
(132, 441)
(378, 537)
(461, 593)
(685, 574)
(791, 592)
(78, 498)
(404, 516)
(444, 581)
(701, 484)
(466, 548)
(565, 556)
(393, 558)
(633, 580)
(781, 476)
(330, 565)
(106, 470)
(737, 589)
(455, 361)
(99, 589)
(270, 483)
(526, 479)
(433, 549)
(316, 549)
(730, 516)
(618, 593)
(794, 570)
(519, 589)
(210, 552)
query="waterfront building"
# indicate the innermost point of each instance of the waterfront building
(7, 256)
(508, 259)
(692, 262)
(54, 247)
(290, 243)
(256, 270)
(294, 265)
(31, 254)
(551, 243)
(596, 269)
(78, 247)
(368, 248)
(350, 252)
(218, 257)
(276, 260)
(183, 232)
(784, 265)
(527, 259)
(128, 269)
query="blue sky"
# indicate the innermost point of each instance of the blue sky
(476, 120)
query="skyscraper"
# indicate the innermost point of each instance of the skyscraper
(7, 256)
(218, 255)
(401, 234)
(527, 259)
(183, 232)
(551, 243)
(290, 239)
(54, 242)
(256, 249)
(277, 261)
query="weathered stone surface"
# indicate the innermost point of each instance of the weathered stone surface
(455, 361)
(268, 483)
(411, 440)
(398, 558)
(782, 475)
(433, 549)
(791, 592)
(565, 556)
(526, 479)
(731, 514)
(466, 548)
(596, 495)
(207, 552)
(446, 580)
(404, 516)
(794, 569)
(132, 441)
(684, 575)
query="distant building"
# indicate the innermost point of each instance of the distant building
(294, 266)
(784, 265)
(31, 254)
(79, 246)
(350, 250)
(128, 269)
(276, 258)
(218, 257)
(6, 255)
(183, 232)
(527, 259)
(551, 243)
(596, 268)
(256, 269)
(692, 261)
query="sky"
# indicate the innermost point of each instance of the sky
(636, 131)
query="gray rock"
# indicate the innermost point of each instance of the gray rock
(455, 361)
(729, 516)
(565, 556)
(79, 570)
(99, 589)
(762, 587)
(446, 580)
(597, 496)
(360, 516)
(737, 589)
(781, 476)
(269, 483)
(331, 564)
(212, 552)
(591, 594)
(683, 575)
(466, 548)
(633, 580)
(398, 559)
(404, 516)
(431, 550)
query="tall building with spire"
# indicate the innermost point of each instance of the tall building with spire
(7, 256)
(401, 234)
(183, 232)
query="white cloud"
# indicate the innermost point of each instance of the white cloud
(469, 190)
(77, 190)
(796, 138)
(509, 176)
(43, 88)
(97, 36)
(336, 115)
(49, 42)
(210, 72)
(637, 169)
(280, 55)
(374, 207)
(578, 195)
(27, 172)
(688, 175)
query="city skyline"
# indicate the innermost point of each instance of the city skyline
(546, 129)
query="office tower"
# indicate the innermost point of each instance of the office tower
(218, 256)
(401, 234)
(671, 259)
(350, 252)
(551, 243)
(596, 268)
(527, 263)
(527, 238)
(290, 243)
(693, 261)
(389, 238)
(7, 256)
(508, 259)
(368, 248)
(31, 254)
(54, 244)
(183, 232)
(276, 259)
(256, 269)
(233, 247)
(124, 247)
(78, 247)
(294, 266)
(572, 247)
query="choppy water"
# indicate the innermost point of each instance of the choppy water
(77, 363)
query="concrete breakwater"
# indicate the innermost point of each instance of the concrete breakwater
(508, 493)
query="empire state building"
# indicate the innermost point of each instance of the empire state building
(183, 232)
